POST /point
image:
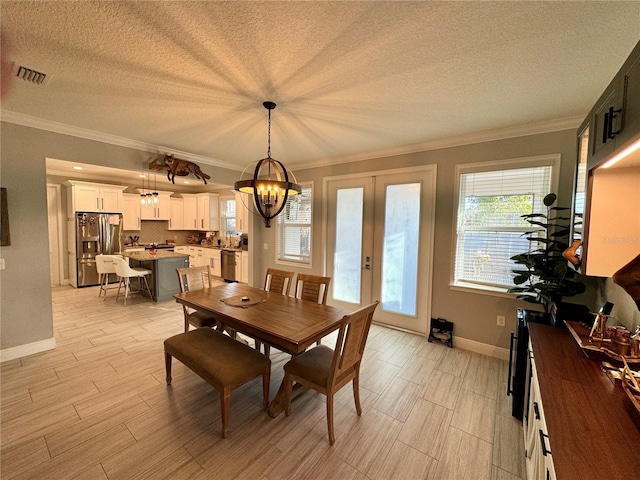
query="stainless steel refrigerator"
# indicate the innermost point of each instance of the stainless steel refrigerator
(96, 233)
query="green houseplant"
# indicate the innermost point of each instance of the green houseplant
(546, 277)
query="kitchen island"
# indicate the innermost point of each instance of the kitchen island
(163, 265)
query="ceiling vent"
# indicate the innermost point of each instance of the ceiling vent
(30, 75)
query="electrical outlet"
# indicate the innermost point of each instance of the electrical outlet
(265, 246)
(500, 320)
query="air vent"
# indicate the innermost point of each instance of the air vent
(32, 76)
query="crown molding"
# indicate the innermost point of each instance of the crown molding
(467, 139)
(64, 129)
(537, 128)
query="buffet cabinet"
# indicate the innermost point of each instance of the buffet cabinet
(538, 454)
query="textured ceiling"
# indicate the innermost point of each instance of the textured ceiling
(351, 79)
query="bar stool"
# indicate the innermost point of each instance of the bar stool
(125, 272)
(105, 267)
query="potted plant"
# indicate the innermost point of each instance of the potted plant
(546, 277)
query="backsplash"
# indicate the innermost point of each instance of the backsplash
(157, 231)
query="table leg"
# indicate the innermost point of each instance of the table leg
(276, 407)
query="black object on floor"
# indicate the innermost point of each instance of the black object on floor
(441, 331)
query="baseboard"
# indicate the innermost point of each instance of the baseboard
(482, 348)
(26, 350)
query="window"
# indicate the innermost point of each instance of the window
(227, 215)
(293, 242)
(491, 199)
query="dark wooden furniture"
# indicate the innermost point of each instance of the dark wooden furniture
(290, 324)
(594, 431)
(326, 370)
(221, 361)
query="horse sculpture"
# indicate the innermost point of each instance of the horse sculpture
(174, 166)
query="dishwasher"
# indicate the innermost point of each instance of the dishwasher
(228, 265)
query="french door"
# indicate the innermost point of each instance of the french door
(379, 244)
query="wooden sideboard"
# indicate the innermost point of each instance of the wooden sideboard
(594, 430)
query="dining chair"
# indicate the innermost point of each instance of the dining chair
(313, 288)
(278, 281)
(327, 370)
(126, 273)
(105, 267)
(191, 279)
(275, 281)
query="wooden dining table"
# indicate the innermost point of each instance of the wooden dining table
(287, 323)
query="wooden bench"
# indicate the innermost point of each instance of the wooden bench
(224, 363)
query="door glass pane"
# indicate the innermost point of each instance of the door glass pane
(348, 241)
(400, 248)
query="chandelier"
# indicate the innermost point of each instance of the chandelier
(272, 182)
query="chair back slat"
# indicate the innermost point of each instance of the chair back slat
(313, 288)
(194, 278)
(278, 281)
(352, 339)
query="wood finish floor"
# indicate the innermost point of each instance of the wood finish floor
(97, 407)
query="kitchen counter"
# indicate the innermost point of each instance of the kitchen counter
(594, 430)
(147, 255)
(164, 280)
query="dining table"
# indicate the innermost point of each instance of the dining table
(287, 323)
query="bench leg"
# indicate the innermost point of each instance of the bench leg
(167, 366)
(225, 404)
(266, 379)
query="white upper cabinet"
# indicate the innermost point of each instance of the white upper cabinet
(176, 222)
(131, 211)
(94, 197)
(190, 207)
(242, 214)
(208, 212)
(157, 211)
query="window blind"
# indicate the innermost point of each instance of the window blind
(489, 224)
(293, 243)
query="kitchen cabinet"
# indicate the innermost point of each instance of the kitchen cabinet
(176, 213)
(212, 258)
(131, 211)
(157, 211)
(94, 197)
(242, 214)
(196, 256)
(239, 267)
(190, 206)
(244, 277)
(615, 118)
(607, 196)
(613, 227)
(538, 453)
(208, 212)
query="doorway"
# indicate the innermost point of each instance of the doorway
(379, 244)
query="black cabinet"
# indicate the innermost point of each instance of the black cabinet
(615, 118)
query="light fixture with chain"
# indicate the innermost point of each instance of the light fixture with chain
(272, 183)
